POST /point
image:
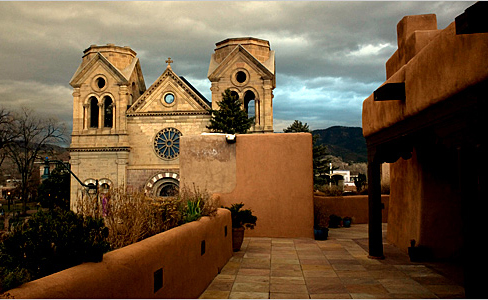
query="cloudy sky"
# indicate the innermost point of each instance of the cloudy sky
(330, 56)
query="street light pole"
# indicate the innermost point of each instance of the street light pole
(46, 173)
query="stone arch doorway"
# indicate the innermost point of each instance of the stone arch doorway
(163, 185)
(168, 187)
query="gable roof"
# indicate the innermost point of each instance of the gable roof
(196, 91)
(266, 68)
(181, 81)
(83, 70)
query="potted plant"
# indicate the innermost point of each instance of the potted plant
(418, 253)
(320, 224)
(241, 219)
(334, 221)
(346, 222)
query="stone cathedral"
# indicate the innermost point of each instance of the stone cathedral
(125, 134)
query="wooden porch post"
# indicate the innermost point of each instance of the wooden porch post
(374, 204)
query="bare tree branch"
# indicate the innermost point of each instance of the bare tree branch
(32, 136)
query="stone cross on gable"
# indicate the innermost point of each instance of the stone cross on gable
(169, 61)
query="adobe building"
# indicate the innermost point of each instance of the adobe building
(427, 121)
(125, 135)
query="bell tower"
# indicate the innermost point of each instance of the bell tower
(246, 66)
(107, 82)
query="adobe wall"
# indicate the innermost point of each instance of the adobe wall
(449, 62)
(425, 202)
(129, 272)
(272, 174)
(355, 207)
(442, 71)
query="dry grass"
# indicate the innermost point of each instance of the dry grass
(134, 216)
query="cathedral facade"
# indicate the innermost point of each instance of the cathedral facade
(127, 135)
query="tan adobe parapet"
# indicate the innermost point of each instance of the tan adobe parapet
(193, 252)
(440, 64)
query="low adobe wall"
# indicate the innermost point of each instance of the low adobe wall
(351, 206)
(183, 261)
(272, 174)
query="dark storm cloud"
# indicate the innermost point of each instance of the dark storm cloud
(330, 56)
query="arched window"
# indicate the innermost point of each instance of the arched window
(168, 189)
(93, 112)
(108, 112)
(234, 94)
(250, 106)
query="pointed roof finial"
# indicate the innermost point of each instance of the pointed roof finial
(169, 61)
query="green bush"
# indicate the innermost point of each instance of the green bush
(334, 221)
(196, 204)
(332, 190)
(242, 217)
(48, 242)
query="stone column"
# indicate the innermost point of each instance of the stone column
(86, 116)
(215, 95)
(114, 115)
(78, 122)
(101, 114)
(268, 106)
(119, 117)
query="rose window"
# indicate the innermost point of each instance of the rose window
(167, 143)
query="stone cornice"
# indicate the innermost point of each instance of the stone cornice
(100, 149)
(172, 113)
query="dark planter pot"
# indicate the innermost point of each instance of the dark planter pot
(237, 238)
(419, 254)
(346, 222)
(321, 233)
(334, 221)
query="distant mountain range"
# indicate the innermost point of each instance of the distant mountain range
(345, 142)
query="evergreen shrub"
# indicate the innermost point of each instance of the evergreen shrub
(48, 242)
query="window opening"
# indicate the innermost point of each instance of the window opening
(167, 143)
(108, 107)
(241, 77)
(100, 82)
(169, 98)
(168, 189)
(93, 112)
(234, 94)
(250, 104)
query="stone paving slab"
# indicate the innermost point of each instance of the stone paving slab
(338, 268)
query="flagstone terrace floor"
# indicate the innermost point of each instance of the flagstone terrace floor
(337, 268)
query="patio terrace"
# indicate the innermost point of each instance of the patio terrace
(337, 268)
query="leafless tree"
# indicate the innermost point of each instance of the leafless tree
(7, 134)
(33, 136)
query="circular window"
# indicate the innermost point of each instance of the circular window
(169, 98)
(167, 143)
(241, 77)
(100, 82)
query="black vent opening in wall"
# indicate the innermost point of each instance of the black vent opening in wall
(202, 247)
(158, 280)
(390, 91)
